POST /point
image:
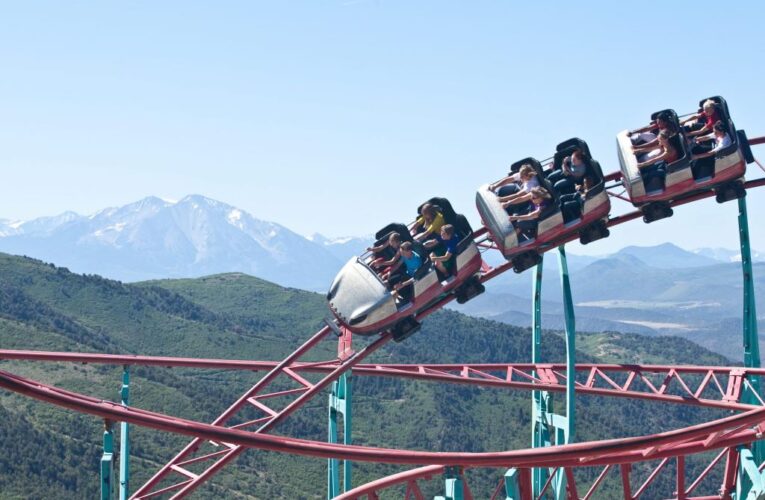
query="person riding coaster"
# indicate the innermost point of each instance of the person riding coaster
(683, 168)
(367, 303)
(584, 216)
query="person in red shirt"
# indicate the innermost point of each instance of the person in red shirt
(704, 121)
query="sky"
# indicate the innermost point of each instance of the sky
(340, 116)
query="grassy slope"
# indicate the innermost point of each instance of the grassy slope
(53, 452)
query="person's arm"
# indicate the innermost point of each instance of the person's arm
(379, 248)
(691, 118)
(430, 243)
(647, 146)
(443, 258)
(703, 155)
(504, 182)
(393, 260)
(702, 131)
(424, 235)
(705, 138)
(518, 199)
(640, 130)
(712, 152)
(653, 160)
(401, 285)
(416, 225)
(528, 216)
(510, 198)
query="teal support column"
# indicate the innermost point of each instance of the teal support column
(107, 462)
(547, 427)
(517, 484)
(568, 304)
(454, 485)
(541, 400)
(751, 345)
(125, 438)
(564, 426)
(749, 484)
(339, 404)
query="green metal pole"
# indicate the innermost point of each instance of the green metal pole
(339, 404)
(454, 485)
(749, 484)
(541, 400)
(751, 345)
(107, 462)
(570, 316)
(333, 472)
(347, 428)
(565, 431)
(125, 438)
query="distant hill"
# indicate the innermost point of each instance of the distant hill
(54, 453)
(667, 256)
(698, 303)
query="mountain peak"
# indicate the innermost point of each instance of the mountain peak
(665, 256)
(202, 200)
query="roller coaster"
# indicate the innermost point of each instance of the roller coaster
(732, 447)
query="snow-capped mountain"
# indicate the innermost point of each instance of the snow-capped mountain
(344, 247)
(727, 255)
(154, 238)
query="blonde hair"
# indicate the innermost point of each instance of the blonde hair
(527, 169)
(540, 192)
(709, 103)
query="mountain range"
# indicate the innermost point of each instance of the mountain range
(196, 236)
(701, 302)
(652, 290)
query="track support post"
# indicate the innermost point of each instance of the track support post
(541, 403)
(125, 437)
(340, 405)
(549, 428)
(518, 484)
(565, 427)
(454, 485)
(749, 483)
(107, 462)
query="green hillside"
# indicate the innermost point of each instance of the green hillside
(52, 453)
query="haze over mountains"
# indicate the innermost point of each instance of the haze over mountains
(649, 290)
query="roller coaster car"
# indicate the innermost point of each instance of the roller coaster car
(363, 303)
(724, 172)
(586, 215)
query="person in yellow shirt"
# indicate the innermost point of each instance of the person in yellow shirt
(432, 221)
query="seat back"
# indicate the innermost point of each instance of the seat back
(394, 227)
(464, 232)
(722, 109)
(515, 167)
(443, 206)
(572, 144)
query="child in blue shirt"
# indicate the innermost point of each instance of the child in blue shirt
(444, 257)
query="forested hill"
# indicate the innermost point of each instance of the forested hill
(52, 453)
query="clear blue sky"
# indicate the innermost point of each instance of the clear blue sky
(339, 116)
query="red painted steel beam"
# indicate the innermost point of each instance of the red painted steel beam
(323, 366)
(756, 140)
(447, 373)
(683, 441)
